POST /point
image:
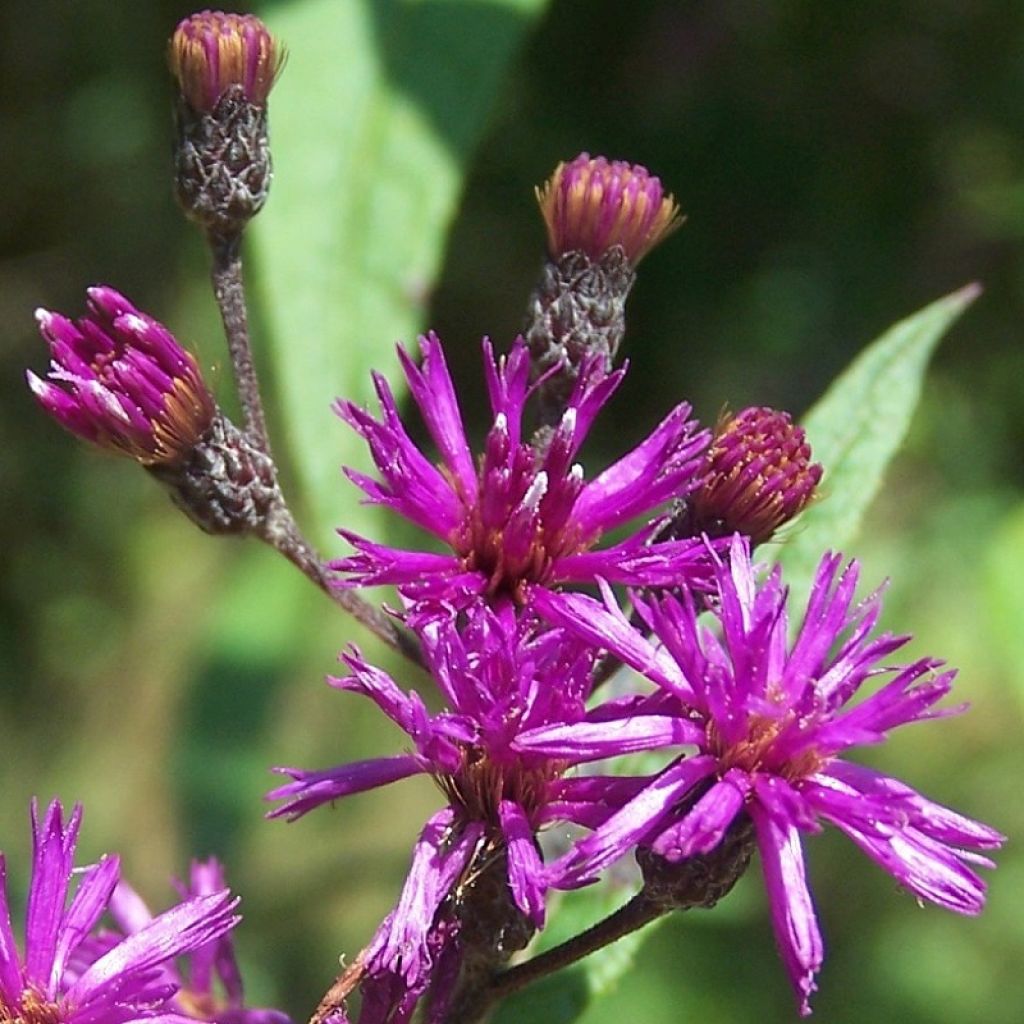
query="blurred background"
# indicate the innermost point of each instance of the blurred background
(841, 165)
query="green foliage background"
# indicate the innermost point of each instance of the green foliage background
(842, 165)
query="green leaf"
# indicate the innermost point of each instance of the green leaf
(372, 123)
(1003, 581)
(857, 427)
(563, 997)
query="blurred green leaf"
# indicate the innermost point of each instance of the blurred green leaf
(1004, 596)
(857, 427)
(565, 996)
(373, 123)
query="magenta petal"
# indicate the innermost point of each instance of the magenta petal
(609, 630)
(525, 868)
(128, 909)
(630, 825)
(432, 389)
(704, 826)
(591, 741)
(400, 945)
(176, 931)
(311, 789)
(928, 868)
(11, 982)
(53, 850)
(792, 909)
(91, 899)
(934, 819)
(665, 465)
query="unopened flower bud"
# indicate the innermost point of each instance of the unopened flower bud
(758, 476)
(121, 380)
(592, 205)
(225, 65)
(602, 217)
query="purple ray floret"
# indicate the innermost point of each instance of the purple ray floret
(65, 976)
(499, 680)
(514, 517)
(208, 981)
(769, 721)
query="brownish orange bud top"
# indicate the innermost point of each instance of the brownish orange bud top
(590, 205)
(212, 51)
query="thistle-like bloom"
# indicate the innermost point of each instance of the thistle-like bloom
(518, 517)
(54, 983)
(122, 381)
(209, 983)
(769, 722)
(758, 476)
(590, 205)
(210, 52)
(498, 680)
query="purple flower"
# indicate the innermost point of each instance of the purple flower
(210, 987)
(61, 980)
(769, 721)
(498, 679)
(123, 382)
(590, 205)
(518, 517)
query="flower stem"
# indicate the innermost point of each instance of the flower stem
(279, 529)
(639, 911)
(282, 533)
(229, 291)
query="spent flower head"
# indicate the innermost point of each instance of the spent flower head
(64, 977)
(518, 517)
(590, 205)
(212, 52)
(769, 721)
(119, 379)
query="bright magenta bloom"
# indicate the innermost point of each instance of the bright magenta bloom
(63, 977)
(517, 517)
(767, 722)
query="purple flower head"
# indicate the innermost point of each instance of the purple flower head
(122, 381)
(769, 721)
(63, 978)
(208, 983)
(590, 205)
(517, 517)
(498, 680)
(211, 51)
(758, 476)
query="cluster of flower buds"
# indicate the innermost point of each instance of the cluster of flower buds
(751, 725)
